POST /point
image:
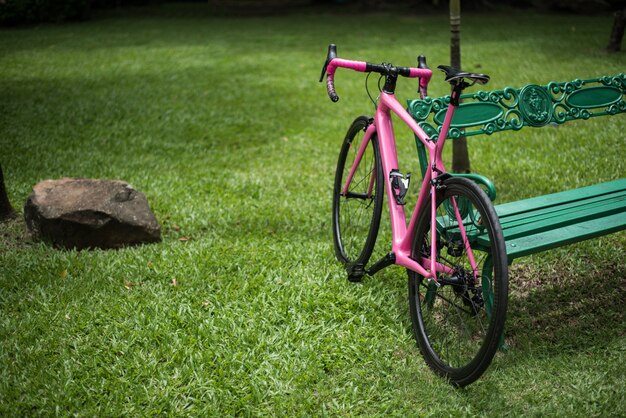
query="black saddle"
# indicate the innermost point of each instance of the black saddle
(455, 76)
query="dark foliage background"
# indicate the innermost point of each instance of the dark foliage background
(15, 12)
(19, 12)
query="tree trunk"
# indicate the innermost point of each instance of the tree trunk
(617, 33)
(460, 156)
(6, 211)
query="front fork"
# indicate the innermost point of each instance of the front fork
(436, 184)
(433, 234)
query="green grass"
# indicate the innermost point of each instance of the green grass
(222, 123)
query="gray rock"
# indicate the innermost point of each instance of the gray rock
(85, 213)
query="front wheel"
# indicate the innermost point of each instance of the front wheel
(357, 207)
(458, 325)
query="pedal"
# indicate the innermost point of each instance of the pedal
(355, 272)
(399, 185)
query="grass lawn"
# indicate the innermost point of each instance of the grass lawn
(222, 123)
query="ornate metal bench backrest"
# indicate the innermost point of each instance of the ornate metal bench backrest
(532, 105)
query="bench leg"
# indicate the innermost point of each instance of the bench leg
(488, 295)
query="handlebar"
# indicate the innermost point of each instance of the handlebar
(332, 63)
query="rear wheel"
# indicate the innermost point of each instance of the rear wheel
(357, 210)
(458, 325)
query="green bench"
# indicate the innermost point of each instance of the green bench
(539, 223)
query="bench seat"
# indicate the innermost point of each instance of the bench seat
(541, 223)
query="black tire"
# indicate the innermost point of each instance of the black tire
(356, 216)
(458, 326)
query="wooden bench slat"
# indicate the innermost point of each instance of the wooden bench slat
(566, 235)
(569, 211)
(566, 206)
(571, 208)
(533, 203)
(567, 217)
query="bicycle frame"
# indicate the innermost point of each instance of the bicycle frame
(403, 235)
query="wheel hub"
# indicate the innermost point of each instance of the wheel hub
(465, 288)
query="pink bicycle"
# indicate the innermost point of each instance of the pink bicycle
(452, 247)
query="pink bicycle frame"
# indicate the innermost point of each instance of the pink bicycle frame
(403, 235)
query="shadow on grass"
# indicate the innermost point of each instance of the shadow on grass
(14, 235)
(570, 305)
(558, 304)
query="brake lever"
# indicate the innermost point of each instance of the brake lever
(324, 70)
(332, 53)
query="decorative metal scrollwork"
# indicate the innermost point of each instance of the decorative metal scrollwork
(531, 105)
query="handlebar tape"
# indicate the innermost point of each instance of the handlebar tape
(330, 84)
(330, 87)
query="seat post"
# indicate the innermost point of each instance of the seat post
(457, 89)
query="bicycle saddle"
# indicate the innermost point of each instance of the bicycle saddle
(454, 75)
